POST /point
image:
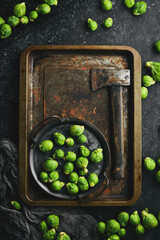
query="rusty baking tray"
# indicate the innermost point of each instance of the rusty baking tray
(55, 80)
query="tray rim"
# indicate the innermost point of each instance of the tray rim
(23, 115)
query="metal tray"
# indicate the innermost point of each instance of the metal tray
(55, 80)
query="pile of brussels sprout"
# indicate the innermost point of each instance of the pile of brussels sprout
(48, 229)
(19, 16)
(75, 165)
(150, 164)
(116, 229)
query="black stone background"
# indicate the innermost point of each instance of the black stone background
(66, 24)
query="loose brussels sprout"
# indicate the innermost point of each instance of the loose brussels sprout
(43, 176)
(158, 176)
(57, 185)
(53, 221)
(24, 20)
(122, 232)
(63, 236)
(140, 8)
(157, 46)
(49, 235)
(51, 2)
(68, 168)
(83, 184)
(106, 5)
(123, 218)
(5, 30)
(112, 226)
(19, 9)
(50, 165)
(92, 179)
(43, 227)
(134, 218)
(76, 130)
(82, 162)
(97, 155)
(144, 92)
(43, 9)
(158, 217)
(92, 25)
(139, 229)
(155, 69)
(101, 226)
(53, 176)
(114, 237)
(158, 162)
(148, 81)
(73, 177)
(83, 171)
(149, 220)
(2, 21)
(129, 3)
(84, 151)
(149, 164)
(59, 138)
(108, 22)
(82, 138)
(16, 205)
(58, 154)
(72, 188)
(33, 15)
(46, 146)
(70, 141)
(70, 156)
(13, 21)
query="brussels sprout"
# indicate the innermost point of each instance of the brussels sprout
(43, 8)
(155, 69)
(92, 25)
(53, 176)
(73, 177)
(58, 154)
(134, 218)
(83, 171)
(158, 217)
(129, 3)
(140, 8)
(5, 30)
(51, 2)
(139, 229)
(16, 205)
(97, 155)
(68, 168)
(19, 9)
(43, 177)
(72, 188)
(114, 237)
(157, 46)
(108, 22)
(149, 164)
(82, 162)
(49, 235)
(46, 146)
(33, 15)
(43, 227)
(158, 162)
(101, 226)
(106, 5)
(123, 218)
(158, 176)
(53, 221)
(70, 156)
(144, 92)
(82, 138)
(70, 141)
(149, 220)
(122, 232)
(76, 130)
(83, 184)
(50, 165)
(13, 21)
(59, 138)
(148, 81)
(57, 185)
(112, 226)
(24, 20)
(84, 151)
(92, 179)
(2, 21)
(63, 236)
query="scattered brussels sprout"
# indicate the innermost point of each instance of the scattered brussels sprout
(158, 162)
(106, 5)
(149, 220)
(129, 3)
(43, 227)
(73, 177)
(148, 81)
(13, 21)
(155, 69)
(68, 168)
(158, 217)
(57, 185)
(157, 46)
(53, 176)
(53, 221)
(139, 229)
(92, 179)
(108, 22)
(101, 226)
(84, 151)
(19, 9)
(59, 138)
(2, 21)
(158, 176)
(58, 154)
(149, 164)
(46, 146)
(97, 155)
(82, 162)
(123, 218)
(83, 171)
(43, 177)
(24, 20)
(5, 30)
(70, 141)
(112, 226)
(82, 138)
(16, 205)
(122, 232)
(51, 2)
(70, 156)
(144, 92)
(43, 8)
(83, 184)
(114, 237)
(134, 218)
(50, 165)
(139, 8)
(33, 15)
(49, 235)
(92, 25)
(76, 130)
(63, 236)
(72, 188)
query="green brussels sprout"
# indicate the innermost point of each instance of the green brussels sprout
(106, 5)
(72, 188)
(5, 30)
(148, 81)
(24, 20)
(129, 3)
(83, 171)
(16, 205)
(123, 218)
(122, 232)
(157, 46)
(114, 237)
(68, 168)
(53, 176)
(92, 25)
(43, 176)
(158, 176)
(58, 154)
(139, 229)
(13, 21)
(97, 155)
(144, 92)
(70, 156)
(33, 15)
(84, 151)
(76, 130)
(149, 164)
(112, 226)
(108, 22)
(51, 2)
(134, 218)
(92, 179)
(139, 8)
(101, 226)
(82, 138)
(57, 185)
(155, 69)
(63, 236)
(158, 217)
(59, 138)
(19, 9)
(46, 146)
(50, 165)
(49, 235)
(53, 221)
(83, 184)
(43, 227)
(158, 162)
(43, 9)
(149, 220)
(70, 141)
(2, 21)
(73, 177)
(82, 162)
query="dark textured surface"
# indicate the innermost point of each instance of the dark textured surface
(67, 25)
